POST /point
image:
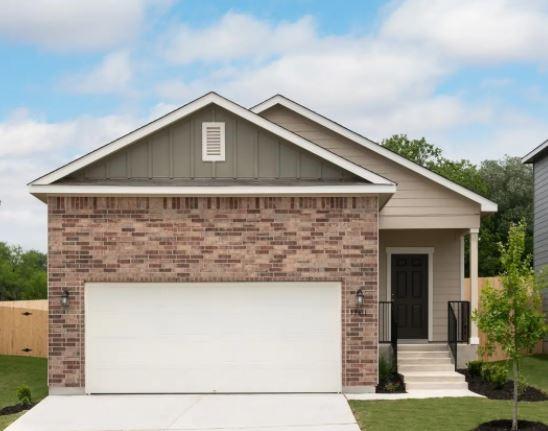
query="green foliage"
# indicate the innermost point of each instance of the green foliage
(495, 373)
(391, 387)
(417, 150)
(510, 185)
(508, 182)
(22, 274)
(511, 316)
(23, 395)
(385, 369)
(474, 367)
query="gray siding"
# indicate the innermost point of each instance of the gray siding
(540, 170)
(541, 211)
(176, 152)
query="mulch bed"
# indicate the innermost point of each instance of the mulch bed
(506, 392)
(506, 425)
(392, 385)
(9, 410)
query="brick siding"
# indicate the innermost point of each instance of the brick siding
(211, 239)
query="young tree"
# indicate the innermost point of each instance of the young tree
(511, 316)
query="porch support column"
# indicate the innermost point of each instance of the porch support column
(474, 291)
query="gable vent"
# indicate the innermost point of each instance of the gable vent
(213, 142)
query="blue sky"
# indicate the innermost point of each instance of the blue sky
(470, 76)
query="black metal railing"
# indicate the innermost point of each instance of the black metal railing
(388, 329)
(458, 325)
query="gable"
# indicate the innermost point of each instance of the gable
(418, 201)
(175, 152)
(340, 131)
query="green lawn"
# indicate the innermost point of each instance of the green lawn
(16, 371)
(450, 414)
(535, 370)
(8, 419)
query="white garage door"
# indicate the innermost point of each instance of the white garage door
(213, 337)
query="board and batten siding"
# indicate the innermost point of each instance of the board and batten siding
(176, 152)
(418, 202)
(540, 174)
(446, 267)
(540, 168)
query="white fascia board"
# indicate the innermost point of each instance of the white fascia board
(189, 109)
(529, 158)
(296, 190)
(486, 204)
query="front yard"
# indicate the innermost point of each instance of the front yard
(450, 414)
(16, 371)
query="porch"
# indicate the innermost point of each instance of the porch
(424, 310)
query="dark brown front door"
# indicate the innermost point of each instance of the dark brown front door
(410, 294)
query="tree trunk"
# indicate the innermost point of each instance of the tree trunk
(515, 373)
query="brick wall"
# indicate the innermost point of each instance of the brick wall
(211, 239)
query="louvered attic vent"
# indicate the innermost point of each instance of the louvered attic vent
(213, 142)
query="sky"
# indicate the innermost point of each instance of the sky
(470, 76)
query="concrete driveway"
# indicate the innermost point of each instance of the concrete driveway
(294, 412)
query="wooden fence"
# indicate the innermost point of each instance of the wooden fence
(24, 328)
(498, 354)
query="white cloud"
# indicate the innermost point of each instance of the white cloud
(475, 31)
(237, 36)
(31, 147)
(23, 136)
(72, 25)
(112, 75)
(368, 83)
(381, 84)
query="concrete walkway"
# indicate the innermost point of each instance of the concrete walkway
(415, 394)
(280, 412)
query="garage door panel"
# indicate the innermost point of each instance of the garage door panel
(213, 337)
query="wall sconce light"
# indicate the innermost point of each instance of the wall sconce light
(360, 302)
(65, 299)
(360, 298)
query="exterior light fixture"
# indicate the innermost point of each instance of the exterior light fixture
(360, 303)
(65, 299)
(360, 298)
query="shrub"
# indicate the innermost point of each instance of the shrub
(474, 368)
(24, 395)
(391, 387)
(385, 369)
(495, 374)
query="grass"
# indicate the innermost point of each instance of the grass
(535, 370)
(450, 414)
(8, 419)
(434, 414)
(16, 371)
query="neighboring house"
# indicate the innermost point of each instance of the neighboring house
(225, 249)
(539, 158)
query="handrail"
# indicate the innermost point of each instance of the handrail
(388, 329)
(458, 325)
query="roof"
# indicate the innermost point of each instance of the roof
(485, 204)
(37, 186)
(533, 155)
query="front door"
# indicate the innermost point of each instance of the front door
(410, 294)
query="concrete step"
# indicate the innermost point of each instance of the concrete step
(433, 377)
(428, 354)
(432, 361)
(422, 347)
(425, 367)
(436, 385)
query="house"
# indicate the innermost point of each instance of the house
(225, 249)
(539, 159)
